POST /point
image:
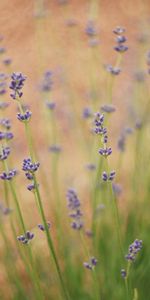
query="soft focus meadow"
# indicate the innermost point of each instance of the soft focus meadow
(74, 150)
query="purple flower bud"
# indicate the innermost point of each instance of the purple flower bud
(24, 117)
(121, 39)
(42, 227)
(9, 175)
(121, 48)
(5, 123)
(113, 70)
(119, 30)
(4, 153)
(17, 83)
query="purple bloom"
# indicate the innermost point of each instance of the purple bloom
(31, 187)
(4, 153)
(26, 238)
(17, 83)
(8, 175)
(134, 248)
(121, 48)
(91, 264)
(121, 39)
(6, 135)
(113, 70)
(105, 151)
(5, 123)
(42, 227)
(110, 176)
(74, 206)
(119, 30)
(29, 166)
(24, 117)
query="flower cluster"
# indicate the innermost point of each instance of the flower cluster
(16, 85)
(74, 206)
(4, 153)
(24, 117)
(91, 264)
(110, 176)
(120, 39)
(5, 123)
(30, 168)
(6, 135)
(8, 175)
(123, 273)
(26, 238)
(101, 130)
(134, 248)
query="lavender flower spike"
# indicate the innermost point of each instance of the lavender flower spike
(134, 248)
(74, 206)
(16, 85)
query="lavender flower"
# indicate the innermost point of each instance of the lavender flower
(8, 175)
(91, 264)
(120, 47)
(119, 30)
(105, 151)
(4, 153)
(5, 123)
(6, 135)
(134, 248)
(42, 227)
(74, 206)
(110, 176)
(26, 238)
(31, 187)
(29, 166)
(17, 83)
(24, 117)
(113, 70)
